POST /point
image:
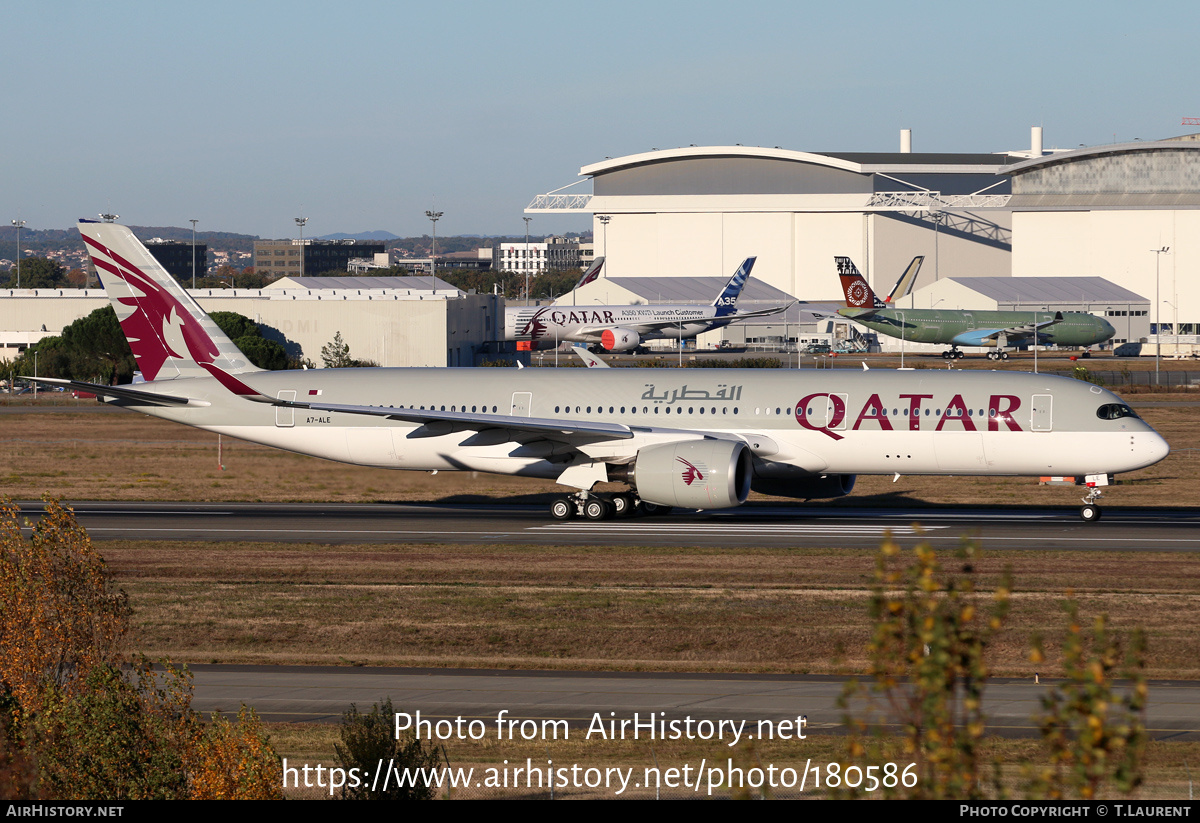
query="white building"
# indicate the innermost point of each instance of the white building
(699, 211)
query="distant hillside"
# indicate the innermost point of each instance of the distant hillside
(380, 236)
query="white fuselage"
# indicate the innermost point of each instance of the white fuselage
(796, 424)
(585, 324)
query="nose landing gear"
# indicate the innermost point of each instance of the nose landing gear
(1089, 512)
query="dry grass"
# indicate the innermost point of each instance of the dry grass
(662, 609)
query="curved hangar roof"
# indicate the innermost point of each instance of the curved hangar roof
(1157, 174)
(755, 170)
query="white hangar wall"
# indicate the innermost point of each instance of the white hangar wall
(1117, 245)
(392, 330)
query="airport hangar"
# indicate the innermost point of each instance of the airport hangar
(401, 321)
(1091, 212)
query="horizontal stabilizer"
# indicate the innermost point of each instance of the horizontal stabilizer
(122, 392)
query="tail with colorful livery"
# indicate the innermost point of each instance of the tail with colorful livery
(169, 333)
(858, 292)
(726, 302)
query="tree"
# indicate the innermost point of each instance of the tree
(235, 761)
(63, 617)
(91, 721)
(336, 353)
(39, 273)
(368, 740)
(93, 349)
(1094, 735)
(927, 666)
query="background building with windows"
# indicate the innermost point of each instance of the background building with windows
(176, 257)
(293, 258)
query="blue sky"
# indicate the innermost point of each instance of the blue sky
(368, 113)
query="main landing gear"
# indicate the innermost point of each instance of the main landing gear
(591, 506)
(1089, 511)
(952, 354)
(997, 355)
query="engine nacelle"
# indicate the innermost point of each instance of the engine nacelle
(695, 474)
(620, 339)
(808, 488)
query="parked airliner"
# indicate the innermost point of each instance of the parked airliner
(623, 328)
(700, 439)
(957, 327)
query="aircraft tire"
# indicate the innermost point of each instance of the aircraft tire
(1089, 513)
(945, 355)
(1004, 355)
(563, 508)
(622, 505)
(596, 509)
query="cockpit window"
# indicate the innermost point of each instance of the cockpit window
(1114, 411)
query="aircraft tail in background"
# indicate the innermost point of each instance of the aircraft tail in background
(726, 302)
(858, 292)
(907, 278)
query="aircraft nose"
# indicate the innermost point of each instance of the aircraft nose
(1156, 447)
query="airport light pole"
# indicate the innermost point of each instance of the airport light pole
(433, 216)
(18, 224)
(193, 222)
(1158, 253)
(300, 221)
(528, 258)
(603, 218)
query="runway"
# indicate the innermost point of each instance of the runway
(1121, 529)
(322, 694)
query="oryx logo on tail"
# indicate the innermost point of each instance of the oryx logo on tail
(169, 334)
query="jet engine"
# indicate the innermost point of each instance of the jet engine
(619, 339)
(808, 488)
(695, 474)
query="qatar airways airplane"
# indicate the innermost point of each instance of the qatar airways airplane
(700, 439)
(623, 328)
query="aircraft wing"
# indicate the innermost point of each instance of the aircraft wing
(122, 392)
(440, 422)
(980, 337)
(856, 313)
(742, 315)
(589, 359)
(642, 326)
